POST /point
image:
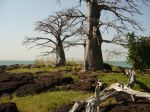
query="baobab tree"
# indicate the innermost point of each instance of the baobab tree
(59, 27)
(121, 18)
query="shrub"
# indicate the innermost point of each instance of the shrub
(139, 51)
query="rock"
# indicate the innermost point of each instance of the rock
(43, 83)
(15, 66)
(10, 82)
(23, 77)
(107, 67)
(6, 96)
(64, 108)
(67, 87)
(147, 71)
(85, 85)
(130, 107)
(29, 89)
(40, 72)
(9, 87)
(121, 96)
(48, 80)
(3, 68)
(27, 66)
(5, 77)
(8, 107)
(66, 80)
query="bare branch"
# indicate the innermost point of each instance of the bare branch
(60, 26)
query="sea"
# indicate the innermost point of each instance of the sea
(119, 63)
(12, 62)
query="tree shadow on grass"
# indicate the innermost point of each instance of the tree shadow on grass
(143, 86)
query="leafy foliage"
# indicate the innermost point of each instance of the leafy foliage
(139, 51)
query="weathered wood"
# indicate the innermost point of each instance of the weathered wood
(124, 88)
(132, 78)
(92, 103)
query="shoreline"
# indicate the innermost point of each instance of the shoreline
(27, 62)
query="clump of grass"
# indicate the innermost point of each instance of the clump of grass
(142, 83)
(74, 77)
(116, 68)
(71, 63)
(39, 62)
(32, 70)
(5, 99)
(108, 102)
(44, 62)
(41, 69)
(110, 78)
(47, 102)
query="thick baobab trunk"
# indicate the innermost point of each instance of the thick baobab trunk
(60, 55)
(93, 55)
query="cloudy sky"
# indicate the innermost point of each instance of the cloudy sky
(18, 18)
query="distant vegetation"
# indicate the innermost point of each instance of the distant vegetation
(138, 51)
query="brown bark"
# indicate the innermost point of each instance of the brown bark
(60, 55)
(93, 55)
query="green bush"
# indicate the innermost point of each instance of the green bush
(139, 51)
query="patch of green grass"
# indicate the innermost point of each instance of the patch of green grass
(61, 68)
(145, 79)
(5, 99)
(108, 102)
(110, 78)
(47, 102)
(32, 70)
(43, 69)
(73, 63)
(74, 77)
(142, 82)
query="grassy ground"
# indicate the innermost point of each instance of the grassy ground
(32, 70)
(43, 69)
(142, 83)
(110, 78)
(46, 102)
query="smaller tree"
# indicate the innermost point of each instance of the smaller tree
(61, 27)
(138, 51)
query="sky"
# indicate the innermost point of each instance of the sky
(18, 18)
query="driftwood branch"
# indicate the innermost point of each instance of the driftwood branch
(92, 103)
(120, 87)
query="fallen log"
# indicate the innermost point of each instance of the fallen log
(124, 88)
(92, 103)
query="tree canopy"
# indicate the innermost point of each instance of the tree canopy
(138, 51)
(59, 27)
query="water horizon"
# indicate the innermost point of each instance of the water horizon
(13, 62)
